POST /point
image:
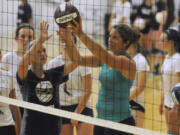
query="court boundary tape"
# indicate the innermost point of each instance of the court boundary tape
(79, 117)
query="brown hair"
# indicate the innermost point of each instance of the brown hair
(21, 26)
(127, 33)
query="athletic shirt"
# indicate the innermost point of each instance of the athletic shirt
(121, 10)
(170, 68)
(6, 118)
(113, 99)
(44, 92)
(10, 62)
(24, 14)
(71, 91)
(141, 66)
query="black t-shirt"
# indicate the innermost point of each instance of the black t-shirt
(24, 13)
(44, 92)
(148, 13)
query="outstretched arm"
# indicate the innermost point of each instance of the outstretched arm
(29, 56)
(119, 62)
(15, 113)
(71, 50)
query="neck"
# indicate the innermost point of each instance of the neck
(38, 70)
(123, 1)
(23, 2)
(171, 52)
(120, 53)
(148, 2)
(20, 52)
(133, 53)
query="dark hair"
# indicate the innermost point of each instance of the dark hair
(23, 25)
(74, 38)
(174, 36)
(127, 33)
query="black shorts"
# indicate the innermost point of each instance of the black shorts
(136, 106)
(71, 108)
(8, 130)
(106, 131)
(167, 107)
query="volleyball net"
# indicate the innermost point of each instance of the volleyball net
(79, 117)
(95, 16)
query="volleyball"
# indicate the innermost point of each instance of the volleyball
(139, 23)
(176, 93)
(65, 13)
(159, 17)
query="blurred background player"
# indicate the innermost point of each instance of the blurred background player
(147, 12)
(137, 95)
(75, 94)
(171, 76)
(170, 4)
(24, 13)
(120, 14)
(10, 117)
(23, 35)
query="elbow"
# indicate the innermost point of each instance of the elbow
(141, 89)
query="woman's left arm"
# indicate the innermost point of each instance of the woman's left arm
(119, 62)
(87, 87)
(15, 113)
(141, 84)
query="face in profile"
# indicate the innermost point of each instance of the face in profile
(165, 43)
(115, 42)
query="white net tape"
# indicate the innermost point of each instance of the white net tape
(79, 117)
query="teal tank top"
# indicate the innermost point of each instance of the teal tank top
(113, 100)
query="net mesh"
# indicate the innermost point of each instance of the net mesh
(95, 17)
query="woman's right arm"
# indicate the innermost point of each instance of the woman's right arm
(27, 59)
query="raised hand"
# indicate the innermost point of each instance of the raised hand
(77, 27)
(44, 31)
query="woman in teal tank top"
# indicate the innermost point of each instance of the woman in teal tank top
(116, 77)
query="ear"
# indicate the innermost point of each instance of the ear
(127, 43)
(15, 38)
